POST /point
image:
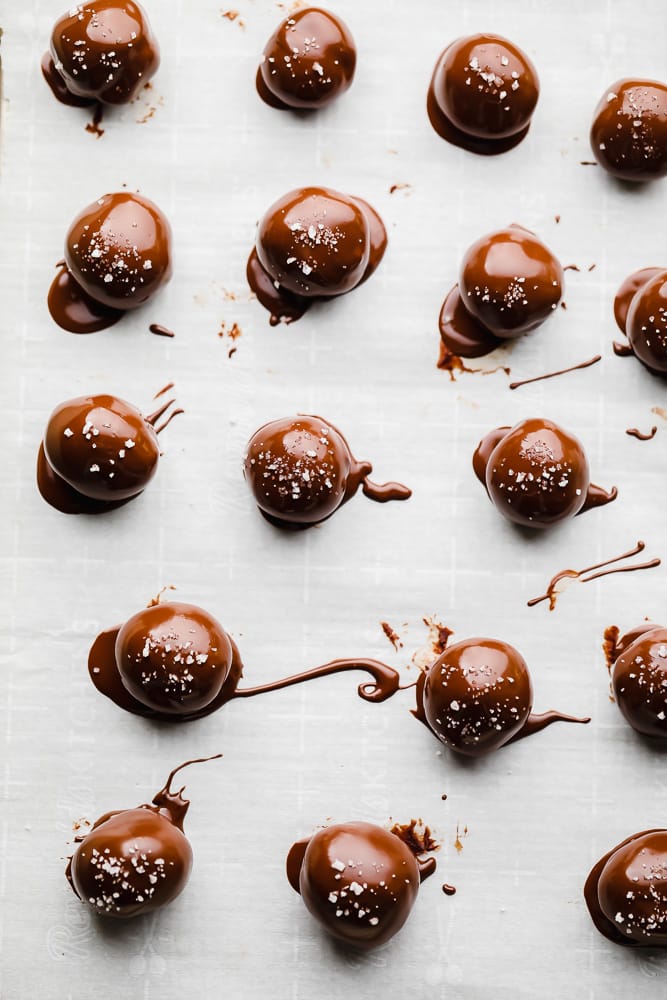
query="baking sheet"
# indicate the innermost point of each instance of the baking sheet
(537, 814)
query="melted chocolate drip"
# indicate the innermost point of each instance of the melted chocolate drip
(161, 331)
(641, 435)
(561, 371)
(552, 593)
(75, 311)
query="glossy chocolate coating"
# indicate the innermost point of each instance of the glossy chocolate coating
(477, 695)
(359, 881)
(537, 473)
(102, 447)
(626, 891)
(300, 470)
(119, 250)
(646, 324)
(639, 682)
(173, 658)
(308, 61)
(510, 281)
(315, 242)
(103, 51)
(135, 860)
(629, 131)
(483, 93)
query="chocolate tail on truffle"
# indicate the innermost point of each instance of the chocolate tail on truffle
(537, 721)
(153, 418)
(74, 310)
(615, 644)
(597, 497)
(104, 673)
(172, 804)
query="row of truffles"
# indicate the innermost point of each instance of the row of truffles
(99, 452)
(482, 95)
(315, 244)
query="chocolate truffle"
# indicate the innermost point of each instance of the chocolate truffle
(313, 243)
(646, 324)
(639, 681)
(101, 52)
(483, 93)
(629, 131)
(117, 256)
(358, 880)
(509, 284)
(300, 470)
(135, 860)
(173, 658)
(97, 452)
(308, 61)
(477, 695)
(536, 473)
(626, 891)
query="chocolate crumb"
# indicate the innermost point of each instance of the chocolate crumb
(393, 636)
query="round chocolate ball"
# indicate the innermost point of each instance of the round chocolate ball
(646, 324)
(297, 469)
(510, 281)
(538, 474)
(629, 131)
(104, 51)
(477, 695)
(308, 61)
(315, 242)
(360, 882)
(626, 891)
(102, 447)
(486, 87)
(173, 657)
(639, 683)
(119, 250)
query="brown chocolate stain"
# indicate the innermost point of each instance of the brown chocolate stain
(161, 331)
(458, 843)
(552, 592)
(571, 267)
(393, 636)
(165, 388)
(233, 15)
(659, 412)
(641, 435)
(399, 187)
(588, 163)
(154, 601)
(561, 371)
(94, 126)
(449, 890)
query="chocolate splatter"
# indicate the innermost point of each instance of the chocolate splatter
(552, 591)
(393, 636)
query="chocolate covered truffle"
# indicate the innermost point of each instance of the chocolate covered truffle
(308, 61)
(101, 52)
(645, 321)
(626, 891)
(117, 256)
(483, 93)
(477, 696)
(639, 680)
(313, 243)
(135, 860)
(358, 880)
(629, 131)
(509, 284)
(98, 452)
(301, 470)
(537, 474)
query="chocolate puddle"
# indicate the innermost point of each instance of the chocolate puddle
(75, 311)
